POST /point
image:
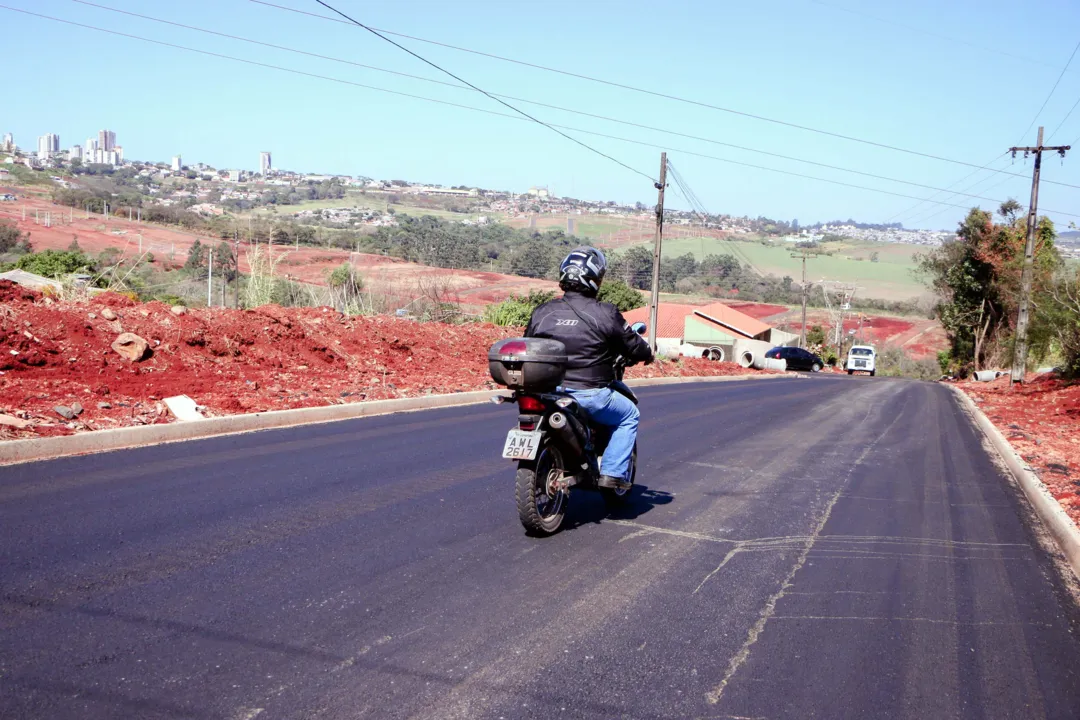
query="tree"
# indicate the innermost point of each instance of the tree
(620, 295)
(196, 259)
(225, 261)
(634, 267)
(721, 266)
(1010, 209)
(816, 335)
(11, 237)
(74, 246)
(977, 280)
(874, 257)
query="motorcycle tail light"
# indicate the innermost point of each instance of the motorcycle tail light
(527, 403)
(527, 427)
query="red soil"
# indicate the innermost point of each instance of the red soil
(170, 247)
(1041, 419)
(231, 361)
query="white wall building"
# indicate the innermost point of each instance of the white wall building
(177, 163)
(106, 140)
(264, 164)
(48, 145)
(75, 153)
(8, 145)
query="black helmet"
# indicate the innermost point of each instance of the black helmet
(583, 270)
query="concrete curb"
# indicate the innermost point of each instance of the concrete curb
(1053, 516)
(21, 451)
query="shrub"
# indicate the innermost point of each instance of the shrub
(620, 295)
(55, 263)
(515, 310)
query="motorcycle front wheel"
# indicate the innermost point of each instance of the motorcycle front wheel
(541, 506)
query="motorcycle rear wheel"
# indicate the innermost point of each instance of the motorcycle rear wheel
(540, 509)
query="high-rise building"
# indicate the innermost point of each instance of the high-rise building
(111, 157)
(264, 164)
(177, 164)
(48, 145)
(8, 145)
(75, 153)
(106, 140)
(119, 154)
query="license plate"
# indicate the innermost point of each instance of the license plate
(521, 445)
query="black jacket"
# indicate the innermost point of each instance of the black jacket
(594, 333)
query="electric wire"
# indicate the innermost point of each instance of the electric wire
(1050, 94)
(684, 189)
(653, 93)
(498, 114)
(502, 102)
(540, 104)
(924, 31)
(948, 190)
(1067, 116)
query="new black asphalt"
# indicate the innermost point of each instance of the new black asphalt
(814, 547)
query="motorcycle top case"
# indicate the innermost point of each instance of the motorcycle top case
(528, 364)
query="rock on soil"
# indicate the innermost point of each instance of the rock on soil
(131, 347)
(232, 361)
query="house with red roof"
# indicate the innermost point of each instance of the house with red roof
(706, 326)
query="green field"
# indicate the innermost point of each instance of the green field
(369, 202)
(890, 278)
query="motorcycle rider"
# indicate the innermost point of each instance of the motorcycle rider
(594, 334)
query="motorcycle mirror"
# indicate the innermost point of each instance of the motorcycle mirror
(639, 328)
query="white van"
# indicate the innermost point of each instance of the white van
(861, 358)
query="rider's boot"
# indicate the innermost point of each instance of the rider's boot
(613, 483)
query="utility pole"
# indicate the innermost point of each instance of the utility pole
(236, 260)
(1020, 353)
(805, 293)
(654, 306)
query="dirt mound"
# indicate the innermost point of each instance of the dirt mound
(1041, 419)
(230, 361)
(12, 292)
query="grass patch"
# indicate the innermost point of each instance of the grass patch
(890, 278)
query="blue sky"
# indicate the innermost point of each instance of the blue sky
(960, 79)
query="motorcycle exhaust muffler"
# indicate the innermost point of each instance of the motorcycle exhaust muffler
(562, 427)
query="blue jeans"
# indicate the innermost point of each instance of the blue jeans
(607, 407)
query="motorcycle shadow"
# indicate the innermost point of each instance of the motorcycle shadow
(590, 508)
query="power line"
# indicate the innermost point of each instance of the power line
(795, 174)
(653, 93)
(948, 190)
(533, 102)
(502, 102)
(684, 189)
(1067, 116)
(1051, 93)
(924, 31)
(493, 112)
(923, 218)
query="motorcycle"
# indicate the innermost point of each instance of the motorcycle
(556, 446)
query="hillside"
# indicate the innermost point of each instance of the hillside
(59, 354)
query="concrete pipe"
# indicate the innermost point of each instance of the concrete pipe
(713, 353)
(745, 358)
(988, 375)
(771, 364)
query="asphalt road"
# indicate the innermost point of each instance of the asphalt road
(820, 547)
